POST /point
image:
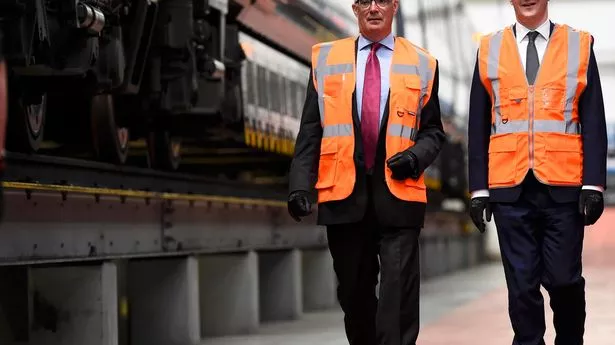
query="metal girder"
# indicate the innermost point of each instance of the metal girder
(53, 227)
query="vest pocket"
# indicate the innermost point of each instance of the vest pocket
(412, 92)
(564, 155)
(513, 105)
(502, 159)
(553, 98)
(327, 164)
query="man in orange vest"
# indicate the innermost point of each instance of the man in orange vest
(370, 126)
(537, 161)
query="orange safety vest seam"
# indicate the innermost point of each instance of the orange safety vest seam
(535, 127)
(411, 79)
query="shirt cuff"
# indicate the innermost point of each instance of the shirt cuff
(482, 193)
(598, 188)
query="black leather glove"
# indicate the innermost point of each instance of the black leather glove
(477, 206)
(403, 165)
(591, 205)
(299, 205)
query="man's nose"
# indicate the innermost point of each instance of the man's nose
(373, 7)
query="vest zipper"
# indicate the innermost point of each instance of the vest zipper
(531, 126)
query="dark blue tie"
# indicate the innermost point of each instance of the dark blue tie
(531, 60)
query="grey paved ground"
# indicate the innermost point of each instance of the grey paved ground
(439, 296)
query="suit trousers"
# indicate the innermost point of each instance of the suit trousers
(541, 242)
(363, 250)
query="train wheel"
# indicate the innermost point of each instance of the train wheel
(164, 150)
(27, 126)
(109, 139)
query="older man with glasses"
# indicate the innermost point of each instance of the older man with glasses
(370, 127)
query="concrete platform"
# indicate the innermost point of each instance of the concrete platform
(469, 307)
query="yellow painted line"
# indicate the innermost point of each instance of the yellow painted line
(141, 194)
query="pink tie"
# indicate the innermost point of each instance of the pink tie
(370, 108)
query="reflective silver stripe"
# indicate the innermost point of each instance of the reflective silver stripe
(425, 73)
(540, 126)
(340, 130)
(319, 72)
(574, 60)
(405, 69)
(397, 130)
(556, 126)
(510, 127)
(493, 63)
(322, 70)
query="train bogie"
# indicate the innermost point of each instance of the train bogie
(118, 70)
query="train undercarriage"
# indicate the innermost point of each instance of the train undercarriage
(93, 76)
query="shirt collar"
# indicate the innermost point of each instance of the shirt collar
(388, 42)
(544, 30)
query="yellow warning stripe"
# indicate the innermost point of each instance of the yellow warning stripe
(142, 194)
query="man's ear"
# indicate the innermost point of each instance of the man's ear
(355, 9)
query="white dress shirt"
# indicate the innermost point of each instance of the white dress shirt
(385, 56)
(541, 42)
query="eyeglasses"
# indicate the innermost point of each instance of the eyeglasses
(367, 3)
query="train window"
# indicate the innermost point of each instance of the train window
(297, 103)
(293, 99)
(283, 94)
(250, 82)
(274, 84)
(262, 87)
(288, 107)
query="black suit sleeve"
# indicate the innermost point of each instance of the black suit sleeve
(307, 146)
(593, 127)
(431, 135)
(479, 130)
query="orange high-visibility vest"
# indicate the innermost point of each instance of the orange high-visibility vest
(411, 81)
(535, 127)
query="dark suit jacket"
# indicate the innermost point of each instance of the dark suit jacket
(390, 210)
(593, 130)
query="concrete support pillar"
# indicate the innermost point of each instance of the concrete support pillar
(433, 256)
(74, 305)
(163, 301)
(228, 295)
(473, 250)
(456, 253)
(281, 296)
(319, 283)
(14, 304)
